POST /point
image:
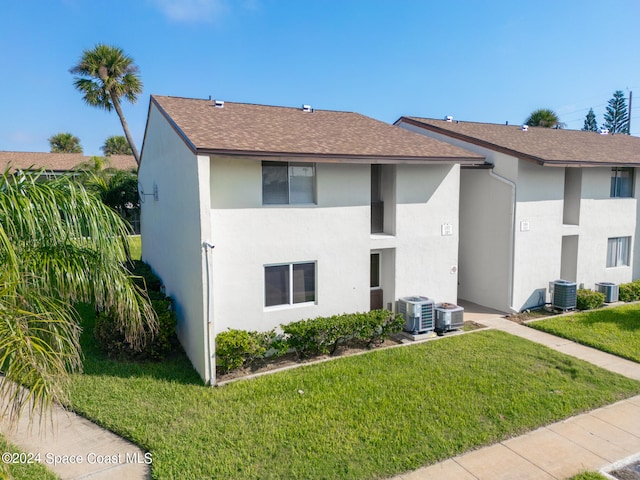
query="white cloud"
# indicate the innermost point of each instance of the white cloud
(190, 11)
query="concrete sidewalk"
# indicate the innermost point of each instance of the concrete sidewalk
(74, 448)
(590, 441)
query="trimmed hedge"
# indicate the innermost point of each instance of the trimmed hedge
(322, 335)
(155, 346)
(588, 299)
(240, 348)
(629, 292)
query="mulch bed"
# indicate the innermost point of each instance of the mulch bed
(291, 359)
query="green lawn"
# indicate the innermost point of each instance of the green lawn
(24, 470)
(362, 417)
(615, 330)
(135, 244)
(589, 476)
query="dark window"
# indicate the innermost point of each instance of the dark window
(275, 183)
(375, 271)
(276, 280)
(289, 284)
(288, 183)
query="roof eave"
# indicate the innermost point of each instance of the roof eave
(582, 163)
(472, 140)
(340, 158)
(515, 153)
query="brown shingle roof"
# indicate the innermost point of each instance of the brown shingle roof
(248, 129)
(545, 146)
(58, 162)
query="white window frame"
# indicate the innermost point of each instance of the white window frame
(618, 252)
(291, 285)
(290, 166)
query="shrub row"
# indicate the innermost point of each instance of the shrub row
(629, 292)
(322, 335)
(239, 348)
(154, 346)
(588, 299)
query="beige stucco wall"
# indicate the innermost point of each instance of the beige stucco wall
(335, 233)
(485, 239)
(537, 229)
(171, 229)
(601, 218)
(537, 253)
(426, 260)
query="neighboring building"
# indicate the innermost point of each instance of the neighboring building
(311, 213)
(58, 163)
(54, 164)
(553, 204)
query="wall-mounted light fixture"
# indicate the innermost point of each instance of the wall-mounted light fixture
(142, 194)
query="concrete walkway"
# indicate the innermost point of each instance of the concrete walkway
(591, 441)
(74, 448)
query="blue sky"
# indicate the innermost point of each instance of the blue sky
(489, 61)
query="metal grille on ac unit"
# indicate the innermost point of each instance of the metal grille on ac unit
(418, 314)
(564, 295)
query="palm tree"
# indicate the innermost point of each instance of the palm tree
(104, 76)
(59, 244)
(65, 143)
(544, 117)
(116, 145)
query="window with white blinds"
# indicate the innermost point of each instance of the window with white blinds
(618, 251)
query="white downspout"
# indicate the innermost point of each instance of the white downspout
(210, 339)
(511, 184)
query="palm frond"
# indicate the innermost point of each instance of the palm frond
(38, 348)
(59, 244)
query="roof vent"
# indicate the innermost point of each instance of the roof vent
(218, 103)
(604, 131)
(449, 118)
(307, 108)
(525, 128)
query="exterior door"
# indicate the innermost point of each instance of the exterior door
(376, 302)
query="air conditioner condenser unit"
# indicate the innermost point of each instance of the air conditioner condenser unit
(611, 291)
(564, 295)
(418, 313)
(449, 316)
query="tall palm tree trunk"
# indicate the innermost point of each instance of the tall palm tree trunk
(116, 104)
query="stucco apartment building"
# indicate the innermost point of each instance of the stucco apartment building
(549, 204)
(254, 215)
